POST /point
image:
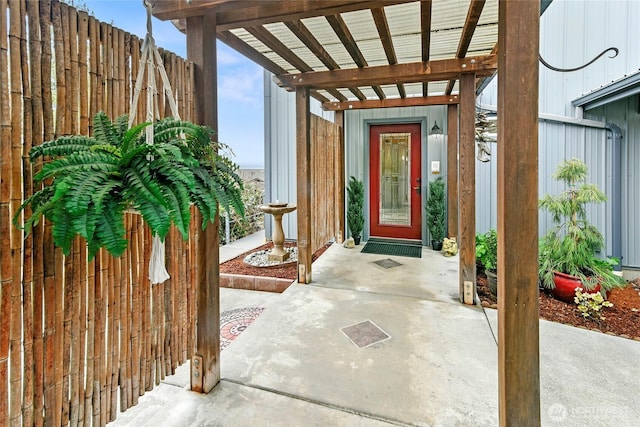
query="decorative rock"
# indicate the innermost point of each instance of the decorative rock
(449, 247)
(349, 243)
(260, 258)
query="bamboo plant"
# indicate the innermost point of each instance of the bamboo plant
(90, 182)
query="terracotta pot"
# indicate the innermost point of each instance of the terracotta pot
(492, 281)
(566, 285)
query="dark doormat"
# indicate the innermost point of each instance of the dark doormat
(388, 248)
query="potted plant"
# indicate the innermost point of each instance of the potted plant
(487, 257)
(436, 212)
(355, 212)
(90, 182)
(568, 253)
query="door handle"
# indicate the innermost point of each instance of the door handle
(418, 189)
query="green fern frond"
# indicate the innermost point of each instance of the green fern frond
(155, 215)
(132, 136)
(121, 126)
(108, 188)
(85, 185)
(76, 163)
(104, 131)
(173, 172)
(110, 230)
(139, 182)
(62, 146)
(178, 200)
(85, 223)
(63, 232)
(107, 149)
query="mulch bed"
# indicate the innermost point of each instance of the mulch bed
(287, 271)
(622, 319)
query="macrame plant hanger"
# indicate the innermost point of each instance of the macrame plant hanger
(150, 60)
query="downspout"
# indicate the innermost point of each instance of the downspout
(616, 192)
(616, 184)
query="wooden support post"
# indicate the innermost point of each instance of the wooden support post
(518, 339)
(467, 188)
(303, 165)
(340, 180)
(452, 171)
(205, 365)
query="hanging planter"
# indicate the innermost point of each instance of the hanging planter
(90, 182)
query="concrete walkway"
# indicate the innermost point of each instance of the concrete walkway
(435, 363)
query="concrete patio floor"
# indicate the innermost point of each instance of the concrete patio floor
(295, 366)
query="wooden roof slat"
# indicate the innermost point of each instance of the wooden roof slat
(358, 93)
(272, 42)
(425, 28)
(337, 95)
(378, 90)
(312, 43)
(343, 33)
(470, 24)
(231, 40)
(391, 102)
(385, 36)
(401, 91)
(438, 70)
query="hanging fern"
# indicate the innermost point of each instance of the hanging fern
(90, 182)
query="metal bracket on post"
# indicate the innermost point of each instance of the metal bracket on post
(197, 382)
(468, 292)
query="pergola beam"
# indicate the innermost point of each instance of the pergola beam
(518, 324)
(413, 72)
(467, 189)
(425, 28)
(391, 102)
(470, 24)
(235, 14)
(382, 26)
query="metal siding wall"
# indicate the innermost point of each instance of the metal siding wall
(356, 150)
(624, 113)
(280, 150)
(572, 33)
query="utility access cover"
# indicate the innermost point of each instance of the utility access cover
(365, 333)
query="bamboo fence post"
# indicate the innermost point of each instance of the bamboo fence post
(103, 348)
(125, 320)
(114, 55)
(14, 180)
(32, 403)
(135, 310)
(113, 286)
(5, 220)
(91, 340)
(147, 312)
(94, 49)
(98, 340)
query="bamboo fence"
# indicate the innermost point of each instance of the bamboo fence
(79, 340)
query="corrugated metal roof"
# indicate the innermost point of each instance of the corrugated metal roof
(448, 18)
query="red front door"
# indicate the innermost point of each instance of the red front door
(395, 184)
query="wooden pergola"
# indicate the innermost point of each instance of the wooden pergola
(394, 53)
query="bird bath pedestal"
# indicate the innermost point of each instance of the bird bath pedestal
(277, 210)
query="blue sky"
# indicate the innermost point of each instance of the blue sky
(240, 85)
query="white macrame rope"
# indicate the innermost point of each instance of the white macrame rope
(150, 59)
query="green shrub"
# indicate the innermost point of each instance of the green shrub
(355, 209)
(436, 209)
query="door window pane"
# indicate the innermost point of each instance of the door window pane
(395, 179)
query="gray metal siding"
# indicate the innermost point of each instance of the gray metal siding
(280, 150)
(357, 149)
(624, 113)
(571, 34)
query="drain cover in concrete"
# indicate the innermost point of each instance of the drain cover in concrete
(365, 333)
(387, 263)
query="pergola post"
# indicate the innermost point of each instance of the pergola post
(303, 166)
(518, 339)
(205, 365)
(452, 170)
(467, 188)
(340, 179)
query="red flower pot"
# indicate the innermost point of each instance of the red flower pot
(566, 285)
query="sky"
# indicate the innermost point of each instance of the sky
(240, 81)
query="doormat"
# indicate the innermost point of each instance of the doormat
(397, 249)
